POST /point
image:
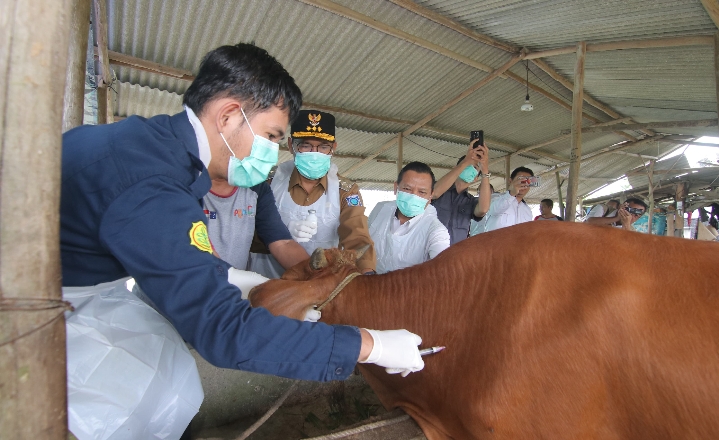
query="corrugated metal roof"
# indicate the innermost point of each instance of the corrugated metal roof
(547, 24)
(342, 63)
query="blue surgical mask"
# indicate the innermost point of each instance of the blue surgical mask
(469, 174)
(253, 169)
(410, 205)
(312, 165)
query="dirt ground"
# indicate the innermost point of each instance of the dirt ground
(318, 413)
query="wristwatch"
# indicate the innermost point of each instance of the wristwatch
(486, 176)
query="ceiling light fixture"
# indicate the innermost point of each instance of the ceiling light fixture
(527, 106)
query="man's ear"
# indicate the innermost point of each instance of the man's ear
(395, 188)
(227, 115)
(334, 147)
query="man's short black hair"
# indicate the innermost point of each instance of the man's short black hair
(417, 167)
(548, 203)
(636, 201)
(521, 170)
(245, 72)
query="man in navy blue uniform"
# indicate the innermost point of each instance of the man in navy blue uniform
(131, 206)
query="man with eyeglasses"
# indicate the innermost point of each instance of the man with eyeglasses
(310, 183)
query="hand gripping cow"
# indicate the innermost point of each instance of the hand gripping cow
(563, 345)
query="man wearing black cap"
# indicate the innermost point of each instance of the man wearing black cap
(319, 208)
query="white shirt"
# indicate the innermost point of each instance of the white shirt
(397, 245)
(504, 210)
(598, 211)
(203, 144)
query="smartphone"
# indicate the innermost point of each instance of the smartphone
(533, 181)
(476, 134)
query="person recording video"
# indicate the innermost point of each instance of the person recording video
(630, 211)
(509, 208)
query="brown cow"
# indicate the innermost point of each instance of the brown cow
(552, 331)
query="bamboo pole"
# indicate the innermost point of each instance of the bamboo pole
(680, 195)
(33, 50)
(650, 173)
(399, 154)
(576, 153)
(559, 194)
(105, 109)
(74, 102)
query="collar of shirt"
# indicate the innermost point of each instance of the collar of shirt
(203, 144)
(295, 181)
(404, 229)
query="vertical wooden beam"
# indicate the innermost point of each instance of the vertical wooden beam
(650, 173)
(508, 170)
(399, 153)
(105, 110)
(33, 60)
(74, 102)
(575, 155)
(716, 67)
(559, 195)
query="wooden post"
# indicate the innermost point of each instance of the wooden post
(716, 67)
(559, 194)
(576, 153)
(74, 108)
(105, 108)
(508, 170)
(651, 196)
(33, 61)
(399, 154)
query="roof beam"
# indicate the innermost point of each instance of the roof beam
(589, 100)
(455, 26)
(665, 124)
(486, 80)
(389, 30)
(712, 8)
(693, 40)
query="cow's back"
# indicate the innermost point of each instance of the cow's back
(556, 330)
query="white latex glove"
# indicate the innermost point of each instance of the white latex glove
(244, 279)
(396, 350)
(302, 230)
(313, 315)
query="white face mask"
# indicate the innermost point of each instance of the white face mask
(253, 169)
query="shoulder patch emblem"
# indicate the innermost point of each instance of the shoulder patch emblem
(346, 185)
(199, 237)
(353, 200)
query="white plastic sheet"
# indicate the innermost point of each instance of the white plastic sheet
(130, 374)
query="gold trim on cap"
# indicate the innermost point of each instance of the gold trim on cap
(306, 134)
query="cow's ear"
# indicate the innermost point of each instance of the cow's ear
(318, 260)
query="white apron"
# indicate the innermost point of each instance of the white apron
(396, 251)
(129, 373)
(327, 209)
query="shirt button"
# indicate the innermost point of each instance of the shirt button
(339, 371)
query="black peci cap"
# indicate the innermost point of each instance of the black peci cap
(314, 124)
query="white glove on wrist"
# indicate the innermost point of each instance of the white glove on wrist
(396, 350)
(302, 230)
(244, 279)
(313, 315)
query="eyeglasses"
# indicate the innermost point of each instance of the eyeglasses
(306, 147)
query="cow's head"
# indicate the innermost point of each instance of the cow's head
(307, 284)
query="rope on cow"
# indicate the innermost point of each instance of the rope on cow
(338, 289)
(363, 428)
(269, 412)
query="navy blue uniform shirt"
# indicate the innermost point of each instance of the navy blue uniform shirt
(455, 210)
(131, 205)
